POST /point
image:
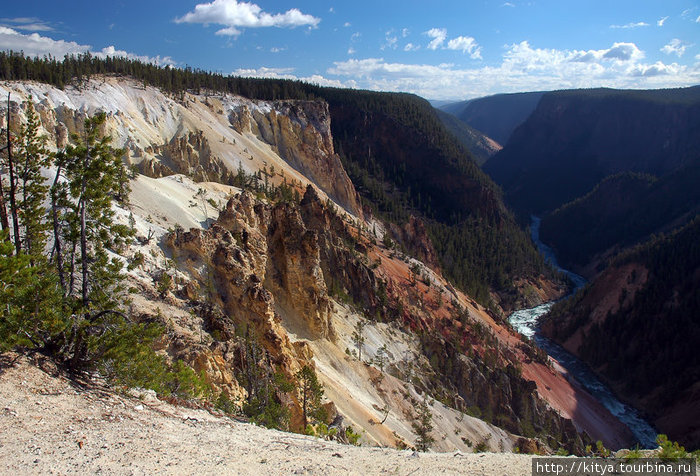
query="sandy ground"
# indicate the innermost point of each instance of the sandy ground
(49, 425)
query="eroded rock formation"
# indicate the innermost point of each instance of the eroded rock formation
(300, 132)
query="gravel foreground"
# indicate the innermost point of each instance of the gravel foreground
(49, 425)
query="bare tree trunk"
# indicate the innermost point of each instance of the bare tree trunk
(13, 203)
(4, 223)
(83, 222)
(83, 248)
(57, 233)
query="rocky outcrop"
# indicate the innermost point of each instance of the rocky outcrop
(189, 155)
(264, 265)
(414, 237)
(301, 134)
(294, 272)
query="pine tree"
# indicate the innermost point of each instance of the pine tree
(31, 156)
(358, 338)
(85, 228)
(423, 425)
(30, 301)
(95, 176)
(311, 392)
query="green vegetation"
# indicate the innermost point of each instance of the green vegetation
(66, 301)
(574, 139)
(358, 337)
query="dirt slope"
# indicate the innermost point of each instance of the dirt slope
(50, 426)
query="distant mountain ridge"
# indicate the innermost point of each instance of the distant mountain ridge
(620, 211)
(574, 139)
(479, 144)
(496, 116)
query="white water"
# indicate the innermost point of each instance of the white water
(525, 321)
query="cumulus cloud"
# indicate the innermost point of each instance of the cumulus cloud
(661, 21)
(234, 16)
(288, 73)
(37, 45)
(438, 36)
(411, 47)
(523, 68)
(675, 47)
(466, 44)
(628, 26)
(112, 51)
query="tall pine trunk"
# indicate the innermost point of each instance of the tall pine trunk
(57, 233)
(13, 191)
(83, 228)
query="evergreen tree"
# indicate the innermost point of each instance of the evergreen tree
(358, 338)
(423, 426)
(30, 301)
(31, 156)
(95, 176)
(311, 392)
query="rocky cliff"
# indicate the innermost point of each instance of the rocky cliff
(300, 132)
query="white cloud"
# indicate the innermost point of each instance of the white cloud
(661, 21)
(234, 16)
(405, 32)
(287, 73)
(264, 72)
(438, 36)
(523, 68)
(351, 51)
(466, 44)
(347, 24)
(26, 24)
(37, 45)
(411, 47)
(276, 49)
(391, 41)
(508, 4)
(628, 26)
(675, 47)
(112, 51)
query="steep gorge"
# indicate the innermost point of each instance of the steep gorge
(274, 284)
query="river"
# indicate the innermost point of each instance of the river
(525, 321)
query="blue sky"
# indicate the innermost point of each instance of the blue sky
(440, 49)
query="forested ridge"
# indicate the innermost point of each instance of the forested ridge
(574, 139)
(398, 154)
(620, 211)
